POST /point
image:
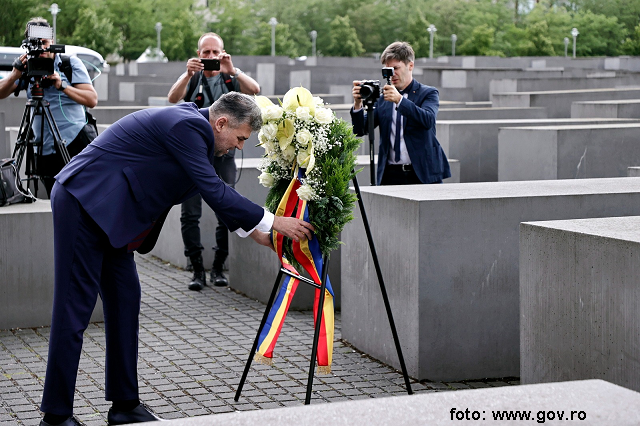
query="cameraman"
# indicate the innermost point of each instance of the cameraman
(204, 87)
(67, 102)
(408, 153)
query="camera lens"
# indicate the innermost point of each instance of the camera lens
(365, 91)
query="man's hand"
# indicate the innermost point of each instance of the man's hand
(193, 66)
(357, 100)
(391, 93)
(55, 79)
(262, 238)
(293, 228)
(226, 65)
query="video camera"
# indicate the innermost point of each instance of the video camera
(370, 89)
(37, 67)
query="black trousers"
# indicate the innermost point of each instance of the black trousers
(396, 175)
(192, 212)
(87, 265)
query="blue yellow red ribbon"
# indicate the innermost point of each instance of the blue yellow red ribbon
(307, 253)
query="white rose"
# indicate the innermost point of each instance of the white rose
(270, 130)
(324, 115)
(303, 158)
(262, 138)
(303, 113)
(306, 192)
(303, 137)
(269, 147)
(266, 179)
(272, 112)
(318, 101)
(289, 153)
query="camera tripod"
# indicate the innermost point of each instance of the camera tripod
(26, 143)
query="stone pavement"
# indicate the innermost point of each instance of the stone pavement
(193, 348)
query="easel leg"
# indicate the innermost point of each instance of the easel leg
(316, 335)
(385, 298)
(255, 343)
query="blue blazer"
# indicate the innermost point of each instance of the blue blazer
(427, 157)
(147, 162)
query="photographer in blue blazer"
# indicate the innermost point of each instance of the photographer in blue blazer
(111, 200)
(406, 111)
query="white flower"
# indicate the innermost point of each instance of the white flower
(303, 158)
(266, 179)
(303, 113)
(303, 137)
(272, 112)
(306, 192)
(318, 101)
(289, 153)
(324, 115)
(270, 130)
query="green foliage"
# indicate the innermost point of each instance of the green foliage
(344, 39)
(631, 45)
(330, 214)
(95, 33)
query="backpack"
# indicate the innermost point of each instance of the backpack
(193, 84)
(66, 68)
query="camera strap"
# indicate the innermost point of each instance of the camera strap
(195, 80)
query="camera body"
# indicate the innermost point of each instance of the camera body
(369, 91)
(34, 43)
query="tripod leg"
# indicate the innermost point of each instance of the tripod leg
(255, 343)
(385, 298)
(316, 335)
(57, 137)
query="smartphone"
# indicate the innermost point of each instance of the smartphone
(211, 64)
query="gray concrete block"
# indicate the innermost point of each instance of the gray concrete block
(558, 103)
(475, 142)
(491, 113)
(449, 256)
(609, 109)
(579, 300)
(568, 152)
(633, 171)
(595, 81)
(5, 150)
(266, 78)
(593, 402)
(26, 266)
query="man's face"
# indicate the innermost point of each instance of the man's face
(403, 73)
(210, 48)
(228, 137)
(45, 45)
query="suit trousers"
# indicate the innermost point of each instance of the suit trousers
(191, 212)
(87, 265)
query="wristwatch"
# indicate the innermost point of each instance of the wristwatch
(63, 85)
(238, 72)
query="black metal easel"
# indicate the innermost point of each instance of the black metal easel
(322, 287)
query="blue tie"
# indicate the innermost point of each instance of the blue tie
(396, 145)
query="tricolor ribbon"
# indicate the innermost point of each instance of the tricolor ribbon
(307, 253)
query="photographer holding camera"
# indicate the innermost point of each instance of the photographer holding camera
(406, 111)
(66, 101)
(208, 77)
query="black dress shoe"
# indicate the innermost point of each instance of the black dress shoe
(71, 421)
(139, 414)
(218, 279)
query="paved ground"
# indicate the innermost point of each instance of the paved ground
(193, 348)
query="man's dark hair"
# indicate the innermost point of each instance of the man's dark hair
(40, 21)
(241, 108)
(399, 50)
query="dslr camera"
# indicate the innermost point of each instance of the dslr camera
(370, 89)
(37, 67)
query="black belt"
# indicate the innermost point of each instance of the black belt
(403, 167)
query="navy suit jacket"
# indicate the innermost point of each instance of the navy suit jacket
(147, 162)
(419, 113)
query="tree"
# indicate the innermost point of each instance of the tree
(480, 43)
(284, 43)
(344, 39)
(95, 33)
(136, 23)
(631, 45)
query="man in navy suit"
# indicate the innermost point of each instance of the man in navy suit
(105, 204)
(406, 112)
